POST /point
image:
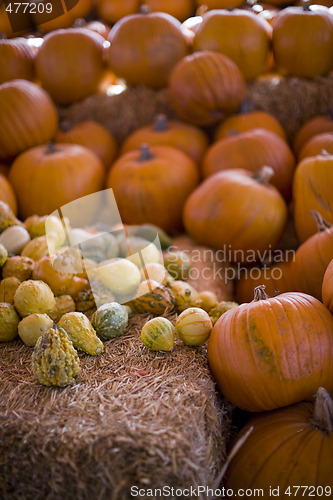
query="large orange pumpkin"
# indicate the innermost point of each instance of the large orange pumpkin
(16, 60)
(314, 126)
(42, 20)
(238, 34)
(7, 194)
(152, 185)
(114, 10)
(316, 145)
(145, 47)
(272, 352)
(70, 65)
(237, 211)
(206, 86)
(47, 177)
(327, 287)
(28, 117)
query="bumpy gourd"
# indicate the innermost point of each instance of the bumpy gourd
(152, 298)
(158, 334)
(110, 320)
(100, 293)
(64, 304)
(7, 217)
(216, 312)
(32, 327)
(81, 332)
(34, 296)
(194, 326)
(18, 266)
(85, 302)
(9, 321)
(55, 361)
(8, 287)
(185, 295)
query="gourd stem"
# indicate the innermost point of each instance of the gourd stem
(323, 411)
(145, 153)
(51, 148)
(259, 293)
(66, 125)
(161, 123)
(144, 9)
(321, 223)
(263, 175)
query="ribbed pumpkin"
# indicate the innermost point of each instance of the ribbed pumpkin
(180, 10)
(287, 451)
(16, 60)
(70, 65)
(316, 145)
(152, 297)
(110, 320)
(145, 47)
(91, 135)
(249, 49)
(148, 187)
(312, 190)
(327, 287)
(303, 41)
(191, 140)
(79, 9)
(252, 150)
(237, 211)
(47, 177)
(24, 107)
(314, 126)
(114, 10)
(206, 86)
(283, 345)
(7, 194)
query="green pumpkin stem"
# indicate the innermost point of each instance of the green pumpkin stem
(322, 224)
(161, 123)
(259, 293)
(264, 175)
(323, 411)
(145, 153)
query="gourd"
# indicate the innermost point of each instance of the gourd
(33, 326)
(152, 297)
(193, 326)
(120, 276)
(39, 247)
(7, 217)
(216, 312)
(19, 267)
(9, 321)
(58, 282)
(140, 251)
(8, 287)
(14, 239)
(85, 302)
(185, 295)
(34, 296)
(64, 304)
(178, 264)
(208, 300)
(39, 226)
(81, 333)
(54, 360)
(110, 320)
(158, 334)
(156, 272)
(3, 255)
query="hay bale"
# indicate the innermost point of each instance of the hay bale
(133, 418)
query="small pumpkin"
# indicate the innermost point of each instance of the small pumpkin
(32, 327)
(7, 194)
(57, 281)
(193, 326)
(14, 239)
(185, 295)
(316, 125)
(33, 296)
(110, 320)
(317, 144)
(180, 10)
(327, 287)
(8, 287)
(19, 267)
(158, 334)
(9, 321)
(114, 10)
(16, 59)
(72, 12)
(81, 333)
(152, 297)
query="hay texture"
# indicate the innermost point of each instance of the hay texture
(134, 417)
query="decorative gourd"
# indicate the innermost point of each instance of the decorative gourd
(114, 10)
(7, 194)
(316, 125)
(54, 360)
(38, 226)
(101, 293)
(37, 248)
(79, 10)
(120, 276)
(91, 135)
(193, 326)
(19, 267)
(110, 320)
(178, 264)
(14, 239)
(156, 272)
(7, 217)
(8, 287)
(216, 312)
(189, 139)
(47, 177)
(9, 321)
(16, 59)
(85, 302)
(33, 296)
(285, 448)
(57, 281)
(327, 287)
(149, 232)
(158, 334)
(144, 183)
(251, 212)
(249, 49)
(81, 333)
(283, 345)
(208, 300)
(140, 251)
(149, 57)
(64, 304)
(317, 144)
(303, 41)
(3, 255)
(206, 86)
(32, 327)
(152, 297)
(24, 106)
(180, 10)
(185, 295)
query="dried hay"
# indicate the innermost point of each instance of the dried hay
(133, 418)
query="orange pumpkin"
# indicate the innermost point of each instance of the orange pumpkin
(249, 49)
(93, 136)
(95, 26)
(327, 287)
(237, 211)
(191, 140)
(70, 65)
(314, 126)
(206, 86)
(148, 187)
(317, 144)
(47, 177)
(43, 22)
(272, 352)
(28, 117)
(219, 4)
(145, 47)
(114, 10)
(16, 60)
(252, 150)
(7, 194)
(180, 10)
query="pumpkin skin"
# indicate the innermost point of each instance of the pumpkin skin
(24, 107)
(317, 144)
(245, 208)
(303, 41)
(272, 352)
(205, 86)
(327, 287)
(219, 4)
(7, 194)
(144, 184)
(180, 10)
(145, 48)
(65, 81)
(252, 150)
(45, 179)
(66, 20)
(316, 125)
(16, 60)
(114, 10)
(249, 49)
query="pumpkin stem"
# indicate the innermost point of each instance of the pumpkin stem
(322, 224)
(323, 152)
(144, 9)
(66, 126)
(263, 175)
(79, 23)
(145, 153)
(306, 5)
(3, 36)
(245, 106)
(51, 148)
(259, 293)
(323, 411)
(161, 123)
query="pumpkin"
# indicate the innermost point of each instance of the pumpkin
(148, 187)
(14, 239)
(287, 451)
(152, 297)
(47, 177)
(185, 295)
(8, 287)
(9, 321)
(251, 212)
(282, 345)
(205, 86)
(249, 49)
(33, 326)
(303, 41)
(18, 267)
(316, 145)
(316, 125)
(114, 10)
(95, 26)
(180, 10)
(219, 4)
(252, 150)
(69, 64)
(327, 287)
(33, 296)
(193, 326)
(4, 169)
(81, 333)
(110, 320)
(66, 17)
(7, 194)
(158, 334)
(145, 47)
(16, 60)
(312, 190)
(191, 140)
(93, 136)
(24, 107)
